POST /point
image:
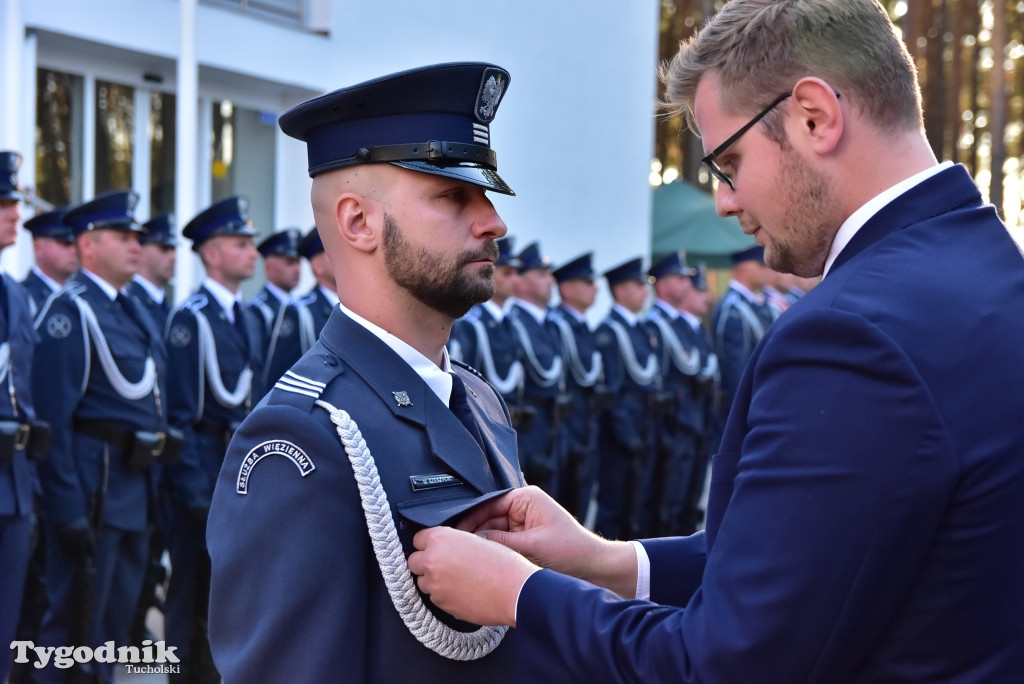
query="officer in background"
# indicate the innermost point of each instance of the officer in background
(676, 436)
(56, 258)
(626, 430)
(700, 409)
(301, 321)
(97, 379)
(738, 323)
(540, 444)
(17, 474)
(156, 268)
(282, 268)
(485, 340)
(583, 383)
(149, 287)
(213, 346)
(310, 578)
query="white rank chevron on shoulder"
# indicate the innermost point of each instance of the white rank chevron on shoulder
(298, 384)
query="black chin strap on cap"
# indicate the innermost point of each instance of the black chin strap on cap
(437, 151)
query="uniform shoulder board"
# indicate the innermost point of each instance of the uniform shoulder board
(472, 370)
(306, 300)
(472, 315)
(292, 388)
(194, 303)
(259, 298)
(556, 315)
(71, 289)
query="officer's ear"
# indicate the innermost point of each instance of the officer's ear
(359, 220)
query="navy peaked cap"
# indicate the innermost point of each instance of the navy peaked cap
(284, 243)
(434, 119)
(580, 268)
(112, 210)
(699, 277)
(224, 218)
(505, 255)
(531, 258)
(311, 244)
(159, 231)
(673, 264)
(755, 253)
(631, 270)
(10, 162)
(50, 225)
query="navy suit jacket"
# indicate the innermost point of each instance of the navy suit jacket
(864, 521)
(296, 593)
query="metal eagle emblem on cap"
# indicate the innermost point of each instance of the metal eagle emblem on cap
(492, 87)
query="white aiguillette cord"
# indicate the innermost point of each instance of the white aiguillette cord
(424, 625)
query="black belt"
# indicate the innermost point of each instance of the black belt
(217, 429)
(136, 447)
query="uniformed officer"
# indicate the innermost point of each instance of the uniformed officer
(156, 268)
(97, 380)
(738, 323)
(484, 337)
(300, 321)
(676, 436)
(373, 433)
(540, 445)
(583, 383)
(282, 268)
(626, 427)
(17, 473)
(213, 347)
(56, 258)
(700, 414)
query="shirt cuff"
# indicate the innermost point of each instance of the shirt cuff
(643, 572)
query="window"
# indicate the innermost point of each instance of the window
(58, 137)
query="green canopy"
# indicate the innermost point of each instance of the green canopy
(683, 217)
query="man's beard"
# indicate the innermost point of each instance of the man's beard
(803, 246)
(435, 278)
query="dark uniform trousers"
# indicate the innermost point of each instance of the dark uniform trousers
(626, 431)
(17, 474)
(207, 416)
(86, 477)
(297, 592)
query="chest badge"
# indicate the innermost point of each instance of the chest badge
(402, 398)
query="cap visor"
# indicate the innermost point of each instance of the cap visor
(464, 172)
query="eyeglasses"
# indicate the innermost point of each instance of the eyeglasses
(709, 161)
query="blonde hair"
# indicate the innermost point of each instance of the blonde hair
(759, 49)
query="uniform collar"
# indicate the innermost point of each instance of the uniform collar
(630, 317)
(330, 295)
(670, 311)
(437, 379)
(155, 293)
(746, 292)
(690, 318)
(496, 311)
(50, 282)
(107, 288)
(535, 311)
(225, 297)
(279, 294)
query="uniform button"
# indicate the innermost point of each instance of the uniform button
(330, 360)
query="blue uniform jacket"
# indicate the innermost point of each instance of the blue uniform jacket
(546, 347)
(37, 290)
(478, 328)
(296, 593)
(625, 417)
(70, 385)
(864, 521)
(16, 477)
(265, 308)
(158, 312)
(192, 403)
(294, 332)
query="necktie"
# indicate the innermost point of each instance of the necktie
(126, 305)
(459, 404)
(240, 325)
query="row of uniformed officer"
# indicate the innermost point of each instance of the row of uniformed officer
(626, 403)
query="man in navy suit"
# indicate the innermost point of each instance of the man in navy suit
(17, 473)
(98, 381)
(56, 257)
(282, 268)
(373, 433)
(213, 347)
(864, 521)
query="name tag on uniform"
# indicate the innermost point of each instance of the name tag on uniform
(423, 482)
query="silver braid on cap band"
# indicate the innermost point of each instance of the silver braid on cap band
(424, 625)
